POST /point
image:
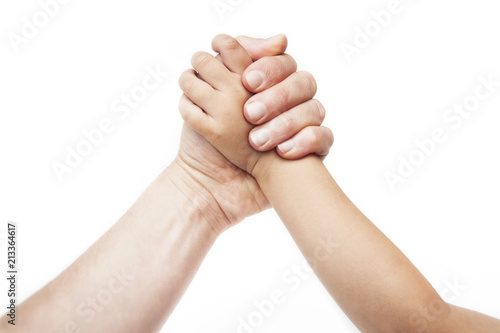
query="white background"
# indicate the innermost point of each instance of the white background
(444, 217)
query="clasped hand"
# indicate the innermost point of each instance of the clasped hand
(218, 104)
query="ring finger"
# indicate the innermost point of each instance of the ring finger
(286, 125)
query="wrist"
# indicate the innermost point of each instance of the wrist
(193, 200)
(264, 166)
(271, 170)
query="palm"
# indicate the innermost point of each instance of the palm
(236, 191)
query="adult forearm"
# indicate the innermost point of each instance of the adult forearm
(131, 278)
(372, 281)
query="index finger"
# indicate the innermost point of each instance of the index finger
(233, 54)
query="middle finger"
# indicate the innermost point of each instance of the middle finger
(294, 90)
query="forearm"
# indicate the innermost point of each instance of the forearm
(131, 279)
(371, 280)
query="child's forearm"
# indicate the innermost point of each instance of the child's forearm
(369, 277)
(375, 284)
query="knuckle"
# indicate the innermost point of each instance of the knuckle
(278, 68)
(180, 82)
(279, 46)
(282, 124)
(291, 62)
(184, 77)
(281, 97)
(187, 84)
(330, 138)
(185, 115)
(306, 79)
(219, 37)
(274, 68)
(288, 122)
(327, 142)
(216, 134)
(201, 59)
(229, 43)
(318, 110)
(185, 112)
(314, 138)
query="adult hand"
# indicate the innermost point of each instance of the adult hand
(283, 108)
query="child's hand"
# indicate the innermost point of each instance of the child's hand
(212, 104)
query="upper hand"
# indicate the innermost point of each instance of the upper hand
(287, 116)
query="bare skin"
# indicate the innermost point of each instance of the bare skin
(374, 283)
(131, 279)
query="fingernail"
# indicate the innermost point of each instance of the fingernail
(256, 111)
(260, 136)
(255, 79)
(286, 146)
